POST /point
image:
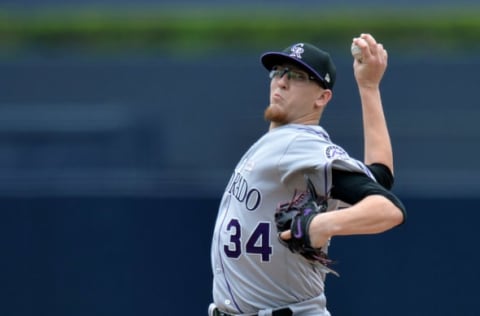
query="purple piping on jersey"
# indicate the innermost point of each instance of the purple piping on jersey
(325, 176)
(365, 169)
(314, 131)
(221, 259)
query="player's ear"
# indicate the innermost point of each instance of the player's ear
(323, 98)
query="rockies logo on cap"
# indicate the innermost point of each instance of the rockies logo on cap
(297, 51)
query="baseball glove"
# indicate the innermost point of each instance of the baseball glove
(297, 215)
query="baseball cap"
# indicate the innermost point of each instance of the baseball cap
(307, 56)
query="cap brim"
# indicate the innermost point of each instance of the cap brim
(271, 59)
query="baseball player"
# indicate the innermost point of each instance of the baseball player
(260, 268)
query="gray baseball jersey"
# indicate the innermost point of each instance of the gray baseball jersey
(252, 270)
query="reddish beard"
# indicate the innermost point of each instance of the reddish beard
(274, 113)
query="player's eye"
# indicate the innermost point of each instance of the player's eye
(278, 72)
(274, 73)
(297, 76)
(293, 75)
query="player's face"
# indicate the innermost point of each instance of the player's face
(293, 96)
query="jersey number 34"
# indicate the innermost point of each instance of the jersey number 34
(258, 243)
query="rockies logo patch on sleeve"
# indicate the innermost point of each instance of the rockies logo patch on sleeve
(335, 152)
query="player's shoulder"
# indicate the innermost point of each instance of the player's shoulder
(314, 132)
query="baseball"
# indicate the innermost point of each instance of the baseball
(356, 52)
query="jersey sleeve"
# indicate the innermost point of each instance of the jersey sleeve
(308, 153)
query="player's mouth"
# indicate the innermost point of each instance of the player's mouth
(277, 96)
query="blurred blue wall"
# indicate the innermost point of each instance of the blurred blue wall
(112, 170)
(150, 256)
(157, 126)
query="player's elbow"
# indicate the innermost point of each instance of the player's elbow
(397, 217)
(393, 214)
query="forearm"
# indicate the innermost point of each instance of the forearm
(378, 148)
(374, 214)
(368, 74)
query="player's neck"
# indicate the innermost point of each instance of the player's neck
(274, 125)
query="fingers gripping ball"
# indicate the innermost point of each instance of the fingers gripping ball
(296, 216)
(356, 52)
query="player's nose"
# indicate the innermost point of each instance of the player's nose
(283, 81)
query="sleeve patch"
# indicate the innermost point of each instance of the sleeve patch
(335, 152)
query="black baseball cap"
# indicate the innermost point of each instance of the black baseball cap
(315, 61)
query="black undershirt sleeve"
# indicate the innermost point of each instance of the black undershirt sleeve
(352, 187)
(382, 174)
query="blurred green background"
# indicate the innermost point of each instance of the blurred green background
(206, 29)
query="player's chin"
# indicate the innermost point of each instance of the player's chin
(275, 113)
